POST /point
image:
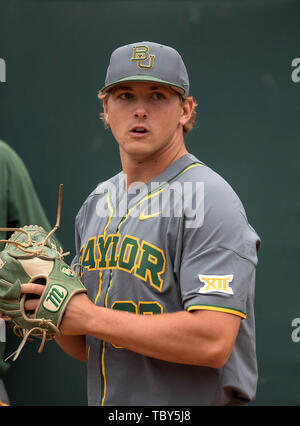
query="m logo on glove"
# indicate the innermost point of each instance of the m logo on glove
(55, 298)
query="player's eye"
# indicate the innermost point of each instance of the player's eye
(125, 95)
(158, 96)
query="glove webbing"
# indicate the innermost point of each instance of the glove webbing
(26, 333)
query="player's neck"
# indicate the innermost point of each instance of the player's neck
(146, 169)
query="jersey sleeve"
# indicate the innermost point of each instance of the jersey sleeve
(219, 257)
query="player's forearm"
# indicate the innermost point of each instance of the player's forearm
(165, 336)
(176, 337)
(170, 337)
(73, 346)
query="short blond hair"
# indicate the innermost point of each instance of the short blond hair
(186, 128)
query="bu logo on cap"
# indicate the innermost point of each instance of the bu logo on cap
(142, 57)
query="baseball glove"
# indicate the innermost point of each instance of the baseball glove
(32, 255)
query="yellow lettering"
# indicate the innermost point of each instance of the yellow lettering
(217, 283)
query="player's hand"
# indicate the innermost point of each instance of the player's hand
(72, 320)
(35, 290)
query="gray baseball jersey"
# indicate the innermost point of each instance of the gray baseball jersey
(179, 242)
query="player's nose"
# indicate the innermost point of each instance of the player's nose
(140, 110)
(140, 113)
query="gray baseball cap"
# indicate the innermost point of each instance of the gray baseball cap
(147, 61)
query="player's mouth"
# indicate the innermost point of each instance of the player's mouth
(139, 131)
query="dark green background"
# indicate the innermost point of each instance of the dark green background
(239, 56)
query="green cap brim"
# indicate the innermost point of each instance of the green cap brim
(143, 78)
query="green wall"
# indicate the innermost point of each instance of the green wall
(239, 56)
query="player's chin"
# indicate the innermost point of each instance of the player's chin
(139, 148)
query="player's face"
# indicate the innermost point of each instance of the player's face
(146, 119)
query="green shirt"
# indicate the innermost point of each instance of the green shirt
(19, 203)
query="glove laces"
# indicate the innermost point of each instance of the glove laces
(42, 332)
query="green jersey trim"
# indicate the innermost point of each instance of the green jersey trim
(217, 308)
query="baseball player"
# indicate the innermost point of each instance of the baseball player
(166, 253)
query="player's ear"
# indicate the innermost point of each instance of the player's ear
(187, 107)
(105, 112)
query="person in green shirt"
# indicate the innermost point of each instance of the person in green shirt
(19, 206)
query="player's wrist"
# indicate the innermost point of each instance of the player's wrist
(79, 316)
